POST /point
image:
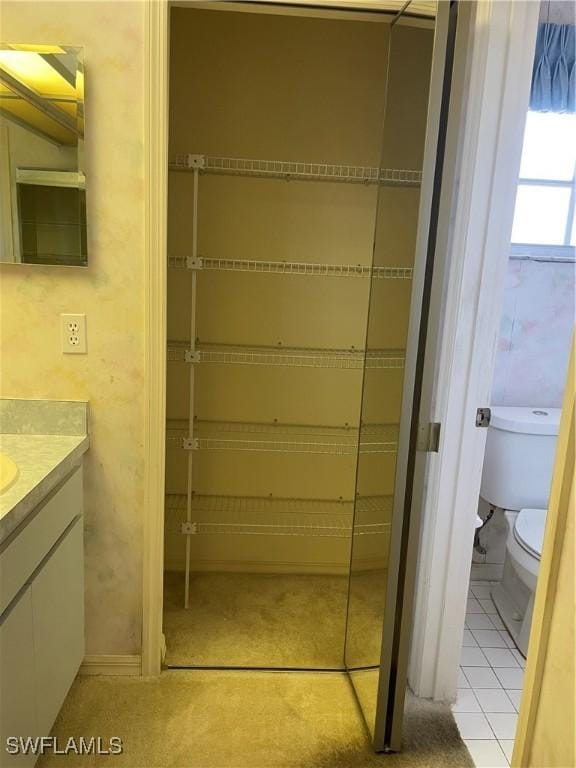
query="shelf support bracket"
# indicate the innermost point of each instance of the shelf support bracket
(196, 161)
(188, 528)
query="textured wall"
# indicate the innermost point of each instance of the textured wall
(550, 674)
(535, 334)
(109, 291)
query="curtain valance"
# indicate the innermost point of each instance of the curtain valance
(553, 76)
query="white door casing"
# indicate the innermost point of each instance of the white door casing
(503, 35)
(476, 227)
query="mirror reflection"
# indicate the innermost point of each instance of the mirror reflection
(42, 182)
(408, 79)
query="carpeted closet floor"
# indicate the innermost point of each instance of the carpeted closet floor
(256, 619)
(236, 719)
(272, 620)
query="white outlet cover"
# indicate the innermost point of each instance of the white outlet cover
(73, 333)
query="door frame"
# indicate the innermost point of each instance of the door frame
(156, 48)
(490, 137)
(156, 60)
(490, 144)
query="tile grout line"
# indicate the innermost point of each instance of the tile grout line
(476, 607)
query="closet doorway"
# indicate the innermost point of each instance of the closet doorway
(296, 149)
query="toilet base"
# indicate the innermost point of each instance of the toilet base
(516, 620)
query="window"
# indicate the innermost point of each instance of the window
(544, 215)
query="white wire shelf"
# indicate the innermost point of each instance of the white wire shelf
(291, 268)
(385, 358)
(281, 438)
(297, 171)
(294, 357)
(269, 516)
(378, 438)
(374, 505)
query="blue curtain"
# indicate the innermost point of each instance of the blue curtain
(553, 76)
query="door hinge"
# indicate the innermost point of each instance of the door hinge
(428, 437)
(483, 416)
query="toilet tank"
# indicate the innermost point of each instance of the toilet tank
(519, 457)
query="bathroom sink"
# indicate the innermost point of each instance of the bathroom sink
(8, 472)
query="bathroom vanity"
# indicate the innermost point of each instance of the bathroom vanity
(41, 564)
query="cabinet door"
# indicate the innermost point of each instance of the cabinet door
(17, 688)
(23, 555)
(58, 617)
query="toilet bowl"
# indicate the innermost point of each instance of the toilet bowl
(514, 596)
(516, 478)
(524, 545)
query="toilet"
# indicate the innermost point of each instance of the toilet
(516, 478)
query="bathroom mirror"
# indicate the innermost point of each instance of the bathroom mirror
(42, 182)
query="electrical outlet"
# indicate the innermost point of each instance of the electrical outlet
(73, 334)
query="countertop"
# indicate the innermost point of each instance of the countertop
(46, 439)
(43, 461)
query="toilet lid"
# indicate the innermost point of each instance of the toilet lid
(529, 530)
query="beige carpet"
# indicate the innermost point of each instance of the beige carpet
(253, 619)
(208, 719)
(365, 618)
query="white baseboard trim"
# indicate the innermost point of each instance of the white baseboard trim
(110, 664)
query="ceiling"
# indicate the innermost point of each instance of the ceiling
(39, 90)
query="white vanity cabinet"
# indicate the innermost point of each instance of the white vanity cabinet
(58, 625)
(42, 616)
(17, 684)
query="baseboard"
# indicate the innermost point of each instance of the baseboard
(110, 664)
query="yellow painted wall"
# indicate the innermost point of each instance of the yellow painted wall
(109, 291)
(302, 89)
(546, 736)
(554, 738)
(287, 88)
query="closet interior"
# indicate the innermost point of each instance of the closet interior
(296, 142)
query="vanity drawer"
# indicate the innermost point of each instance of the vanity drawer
(25, 549)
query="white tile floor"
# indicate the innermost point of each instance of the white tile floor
(489, 684)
